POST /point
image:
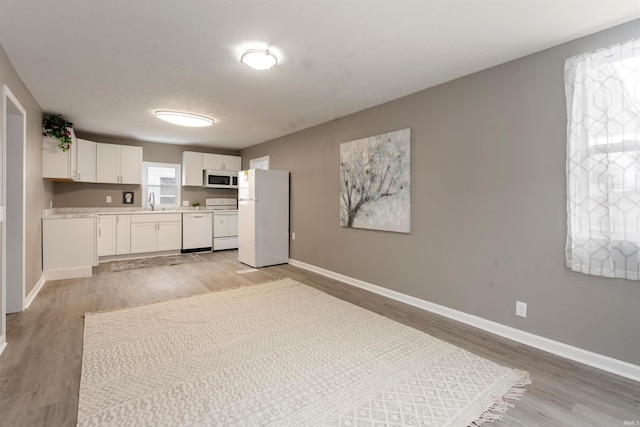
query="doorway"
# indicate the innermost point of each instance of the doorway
(259, 163)
(14, 127)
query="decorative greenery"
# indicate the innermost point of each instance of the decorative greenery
(195, 204)
(57, 127)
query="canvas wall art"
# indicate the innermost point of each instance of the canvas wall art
(375, 182)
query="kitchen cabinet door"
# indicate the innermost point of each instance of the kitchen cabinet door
(106, 235)
(68, 244)
(85, 160)
(58, 164)
(213, 162)
(123, 234)
(222, 162)
(169, 236)
(118, 164)
(107, 163)
(192, 168)
(143, 237)
(232, 163)
(130, 164)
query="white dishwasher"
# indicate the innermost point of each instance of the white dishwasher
(196, 232)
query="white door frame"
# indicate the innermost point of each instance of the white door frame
(15, 214)
(259, 163)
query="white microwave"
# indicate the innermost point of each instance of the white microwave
(220, 179)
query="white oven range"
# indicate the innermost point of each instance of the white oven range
(225, 222)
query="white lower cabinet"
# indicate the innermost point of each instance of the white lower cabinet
(169, 235)
(144, 237)
(68, 246)
(123, 234)
(71, 246)
(106, 235)
(113, 235)
(156, 232)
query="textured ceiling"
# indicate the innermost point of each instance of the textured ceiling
(107, 65)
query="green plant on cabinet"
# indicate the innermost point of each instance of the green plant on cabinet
(55, 126)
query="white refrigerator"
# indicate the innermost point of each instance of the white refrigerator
(263, 217)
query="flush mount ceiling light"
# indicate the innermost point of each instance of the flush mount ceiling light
(260, 59)
(184, 119)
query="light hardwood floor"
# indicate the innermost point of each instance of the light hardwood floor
(40, 368)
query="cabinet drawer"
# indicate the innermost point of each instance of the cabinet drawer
(157, 217)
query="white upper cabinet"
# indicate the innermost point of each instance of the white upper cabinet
(85, 161)
(222, 162)
(58, 164)
(107, 163)
(192, 167)
(194, 163)
(130, 164)
(88, 161)
(118, 164)
(232, 163)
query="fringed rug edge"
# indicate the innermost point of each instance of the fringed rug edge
(498, 408)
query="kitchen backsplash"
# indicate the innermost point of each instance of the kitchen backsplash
(86, 195)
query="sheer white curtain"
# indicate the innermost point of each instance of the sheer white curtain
(603, 161)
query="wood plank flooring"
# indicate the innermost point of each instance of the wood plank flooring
(40, 368)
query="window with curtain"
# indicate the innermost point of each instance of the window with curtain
(162, 179)
(603, 161)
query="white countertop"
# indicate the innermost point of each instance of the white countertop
(57, 213)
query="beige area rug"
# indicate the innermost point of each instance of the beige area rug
(281, 354)
(155, 261)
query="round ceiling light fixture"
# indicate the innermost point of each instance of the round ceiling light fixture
(184, 119)
(260, 59)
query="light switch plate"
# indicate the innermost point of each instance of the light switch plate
(108, 199)
(185, 203)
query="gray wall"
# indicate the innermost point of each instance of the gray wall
(488, 204)
(38, 191)
(72, 194)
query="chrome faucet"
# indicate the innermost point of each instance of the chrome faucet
(152, 200)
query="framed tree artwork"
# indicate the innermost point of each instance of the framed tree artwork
(375, 182)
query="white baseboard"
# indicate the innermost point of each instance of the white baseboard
(34, 292)
(606, 363)
(68, 273)
(3, 343)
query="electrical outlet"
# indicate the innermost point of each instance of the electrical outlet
(185, 203)
(521, 309)
(293, 236)
(108, 199)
